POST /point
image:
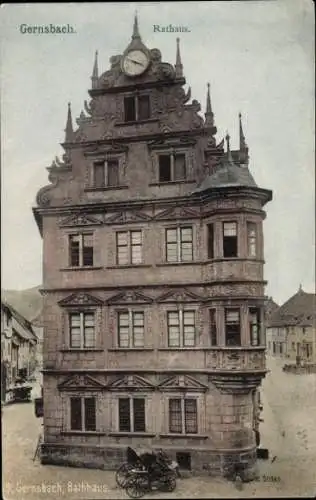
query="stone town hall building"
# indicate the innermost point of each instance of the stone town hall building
(153, 281)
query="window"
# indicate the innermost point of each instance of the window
(269, 346)
(172, 167)
(230, 239)
(254, 326)
(132, 415)
(82, 414)
(136, 108)
(106, 173)
(210, 241)
(304, 330)
(293, 346)
(81, 249)
(183, 416)
(128, 247)
(232, 327)
(213, 329)
(181, 328)
(252, 239)
(281, 347)
(82, 334)
(179, 244)
(130, 329)
(274, 348)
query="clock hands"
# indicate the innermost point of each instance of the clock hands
(136, 62)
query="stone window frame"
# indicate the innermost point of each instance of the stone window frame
(120, 156)
(129, 232)
(178, 226)
(173, 307)
(171, 150)
(131, 399)
(66, 410)
(136, 94)
(130, 308)
(180, 311)
(67, 310)
(105, 163)
(82, 328)
(114, 403)
(131, 325)
(187, 394)
(66, 238)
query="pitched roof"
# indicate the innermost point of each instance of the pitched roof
(298, 310)
(26, 325)
(228, 174)
(270, 307)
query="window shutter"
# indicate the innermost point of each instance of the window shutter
(75, 414)
(124, 415)
(90, 414)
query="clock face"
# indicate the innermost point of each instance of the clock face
(135, 63)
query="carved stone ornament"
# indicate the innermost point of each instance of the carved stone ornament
(80, 220)
(237, 383)
(81, 382)
(182, 383)
(182, 295)
(80, 299)
(124, 217)
(131, 383)
(130, 297)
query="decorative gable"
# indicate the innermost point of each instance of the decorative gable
(182, 383)
(131, 383)
(81, 383)
(124, 217)
(130, 297)
(80, 299)
(80, 220)
(182, 295)
(178, 213)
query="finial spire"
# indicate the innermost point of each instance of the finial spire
(209, 116)
(179, 65)
(229, 154)
(242, 140)
(69, 131)
(135, 27)
(95, 71)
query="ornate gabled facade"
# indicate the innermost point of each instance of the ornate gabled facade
(153, 276)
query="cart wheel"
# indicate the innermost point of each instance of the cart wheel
(135, 487)
(170, 484)
(122, 474)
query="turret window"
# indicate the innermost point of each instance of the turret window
(172, 167)
(210, 241)
(232, 327)
(230, 245)
(136, 108)
(254, 325)
(213, 327)
(252, 239)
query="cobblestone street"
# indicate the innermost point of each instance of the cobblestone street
(288, 431)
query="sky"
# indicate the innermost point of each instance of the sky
(258, 57)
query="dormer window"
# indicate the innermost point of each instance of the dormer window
(106, 173)
(172, 167)
(136, 108)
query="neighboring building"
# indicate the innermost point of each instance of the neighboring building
(152, 277)
(291, 330)
(18, 347)
(270, 308)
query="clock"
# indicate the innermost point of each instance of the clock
(135, 63)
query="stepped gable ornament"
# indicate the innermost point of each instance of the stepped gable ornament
(81, 382)
(80, 299)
